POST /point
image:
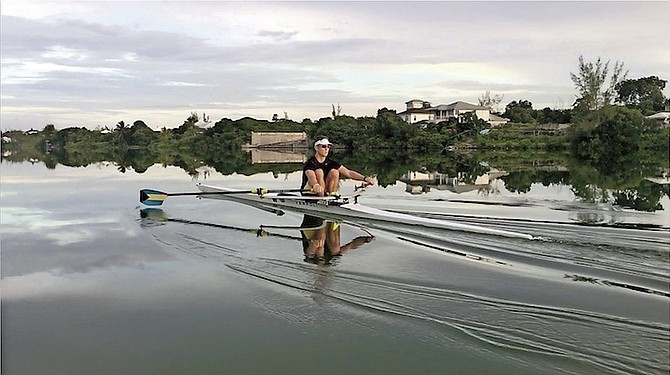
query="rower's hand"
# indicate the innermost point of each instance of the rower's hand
(369, 181)
(318, 189)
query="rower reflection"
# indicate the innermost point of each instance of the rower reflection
(321, 240)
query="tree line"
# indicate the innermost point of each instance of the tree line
(607, 124)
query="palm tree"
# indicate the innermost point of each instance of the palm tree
(122, 134)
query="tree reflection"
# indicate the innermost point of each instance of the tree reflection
(621, 182)
(596, 281)
(646, 197)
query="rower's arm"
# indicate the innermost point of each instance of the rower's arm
(314, 182)
(356, 242)
(345, 172)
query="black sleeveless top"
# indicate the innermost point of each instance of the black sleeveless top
(313, 164)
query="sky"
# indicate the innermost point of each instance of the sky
(95, 63)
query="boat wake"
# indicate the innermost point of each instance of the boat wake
(580, 300)
(565, 336)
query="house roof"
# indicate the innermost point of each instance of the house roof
(659, 115)
(494, 117)
(416, 110)
(458, 105)
(415, 100)
(464, 105)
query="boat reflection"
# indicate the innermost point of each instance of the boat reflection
(322, 240)
(151, 217)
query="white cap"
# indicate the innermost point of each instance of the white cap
(323, 141)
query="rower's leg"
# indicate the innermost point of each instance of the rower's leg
(333, 238)
(333, 181)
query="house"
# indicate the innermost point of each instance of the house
(662, 117)
(417, 111)
(420, 110)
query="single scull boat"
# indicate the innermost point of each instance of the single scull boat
(340, 208)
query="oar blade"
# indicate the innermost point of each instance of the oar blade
(152, 197)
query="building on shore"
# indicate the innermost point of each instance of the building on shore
(277, 147)
(277, 140)
(420, 110)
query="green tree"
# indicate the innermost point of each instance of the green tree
(519, 181)
(141, 135)
(470, 123)
(122, 135)
(520, 112)
(49, 130)
(591, 80)
(645, 197)
(390, 131)
(645, 94)
(615, 139)
(188, 124)
(554, 116)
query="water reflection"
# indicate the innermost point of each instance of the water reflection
(277, 156)
(418, 182)
(322, 241)
(638, 183)
(636, 288)
(151, 217)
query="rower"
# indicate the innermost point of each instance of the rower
(321, 174)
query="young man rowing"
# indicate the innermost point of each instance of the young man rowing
(321, 174)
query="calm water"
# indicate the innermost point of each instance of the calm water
(94, 284)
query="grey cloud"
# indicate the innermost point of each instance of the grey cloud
(127, 68)
(107, 42)
(161, 58)
(101, 42)
(278, 35)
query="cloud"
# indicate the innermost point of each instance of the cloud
(278, 35)
(87, 64)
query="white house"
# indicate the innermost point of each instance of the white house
(417, 110)
(420, 110)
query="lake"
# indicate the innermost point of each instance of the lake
(93, 282)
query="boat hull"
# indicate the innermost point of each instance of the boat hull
(345, 208)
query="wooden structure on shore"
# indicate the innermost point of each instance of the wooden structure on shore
(277, 147)
(277, 140)
(277, 156)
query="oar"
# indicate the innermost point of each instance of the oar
(151, 197)
(157, 215)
